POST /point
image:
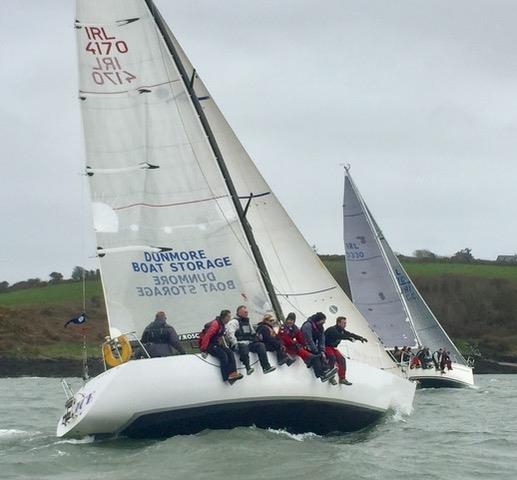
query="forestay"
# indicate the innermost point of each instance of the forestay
(301, 281)
(168, 234)
(371, 282)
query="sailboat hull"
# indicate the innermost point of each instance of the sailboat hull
(459, 377)
(296, 416)
(185, 394)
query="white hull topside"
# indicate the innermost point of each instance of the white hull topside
(185, 394)
(459, 376)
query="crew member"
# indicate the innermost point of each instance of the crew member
(445, 361)
(437, 359)
(210, 341)
(160, 339)
(292, 338)
(313, 335)
(333, 337)
(266, 334)
(242, 339)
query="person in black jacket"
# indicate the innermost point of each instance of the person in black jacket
(160, 339)
(333, 337)
(266, 334)
(313, 334)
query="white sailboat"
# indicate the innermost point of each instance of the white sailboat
(385, 295)
(185, 223)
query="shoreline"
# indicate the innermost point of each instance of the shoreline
(11, 367)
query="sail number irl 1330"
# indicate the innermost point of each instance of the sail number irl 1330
(108, 68)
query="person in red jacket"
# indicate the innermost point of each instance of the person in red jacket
(210, 341)
(294, 342)
(292, 338)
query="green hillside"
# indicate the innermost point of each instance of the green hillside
(58, 294)
(476, 304)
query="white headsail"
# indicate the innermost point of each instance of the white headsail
(167, 230)
(301, 281)
(380, 286)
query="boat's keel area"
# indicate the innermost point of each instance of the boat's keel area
(185, 394)
(295, 416)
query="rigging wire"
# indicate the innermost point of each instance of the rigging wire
(86, 375)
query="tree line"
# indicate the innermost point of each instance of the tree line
(78, 273)
(461, 256)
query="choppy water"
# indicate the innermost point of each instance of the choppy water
(452, 434)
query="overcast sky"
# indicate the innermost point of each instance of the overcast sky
(419, 96)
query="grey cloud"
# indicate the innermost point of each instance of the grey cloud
(420, 97)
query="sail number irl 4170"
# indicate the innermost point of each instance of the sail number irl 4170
(108, 50)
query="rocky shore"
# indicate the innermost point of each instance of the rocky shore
(65, 368)
(56, 367)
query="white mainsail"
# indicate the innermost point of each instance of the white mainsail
(301, 281)
(167, 230)
(380, 286)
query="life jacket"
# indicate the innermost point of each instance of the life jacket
(203, 333)
(289, 331)
(216, 337)
(291, 336)
(245, 331)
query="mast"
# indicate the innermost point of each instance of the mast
(189, 86)
(383, 252)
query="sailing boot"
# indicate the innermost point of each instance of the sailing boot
(309, 360)
(328, 374)
(290, 361)
(233, 377)
(344, 381)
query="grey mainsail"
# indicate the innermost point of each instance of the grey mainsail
(373, 290)
(408, 308)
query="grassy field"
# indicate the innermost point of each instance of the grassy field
(503, 272)
(336, 264)
(65, 293)
(475, 303)
(51, 295)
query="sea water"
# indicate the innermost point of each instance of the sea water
(452, 434)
